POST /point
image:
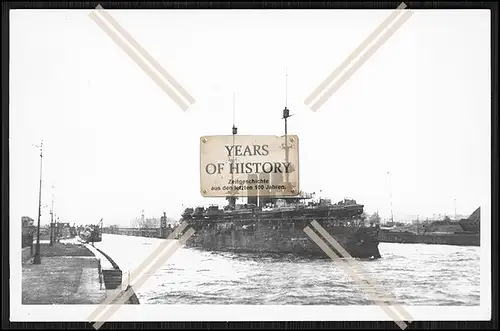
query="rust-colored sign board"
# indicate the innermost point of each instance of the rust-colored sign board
(243, 166)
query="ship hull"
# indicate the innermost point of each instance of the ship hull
(284, 236)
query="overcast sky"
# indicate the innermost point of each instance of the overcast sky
(115, 143)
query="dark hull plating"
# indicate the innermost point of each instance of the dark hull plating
(285, 236)
(457, 239)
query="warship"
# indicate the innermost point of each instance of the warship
(277, 227)
(267, 224)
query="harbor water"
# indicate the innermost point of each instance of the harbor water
(415, 274)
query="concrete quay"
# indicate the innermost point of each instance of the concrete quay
(71, 272)
(68, 274)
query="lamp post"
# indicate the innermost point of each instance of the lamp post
(37, 259)
(232, 194)
(52, 219)
(56, 239)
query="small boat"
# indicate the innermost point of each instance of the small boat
(91, 233)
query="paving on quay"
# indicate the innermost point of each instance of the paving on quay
(68, 274)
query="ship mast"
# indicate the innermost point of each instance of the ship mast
(232, 198)
(286, 115)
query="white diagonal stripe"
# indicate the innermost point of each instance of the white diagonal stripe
(161, 250)
(142, 58)
(116, 293)
(370, 50)
(345, 266)
(369, 53)
(355, 53)
(140, 282)
(355, 264)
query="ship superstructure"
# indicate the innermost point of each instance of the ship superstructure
(277, 227)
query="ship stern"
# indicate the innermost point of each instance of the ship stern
(364, 244)
(358, 242)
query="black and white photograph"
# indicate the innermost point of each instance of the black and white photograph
(236, 165)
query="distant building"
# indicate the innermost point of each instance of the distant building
(27, 221)
(27, 228)
(163, 221)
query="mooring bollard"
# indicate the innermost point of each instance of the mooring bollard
(112, 278)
